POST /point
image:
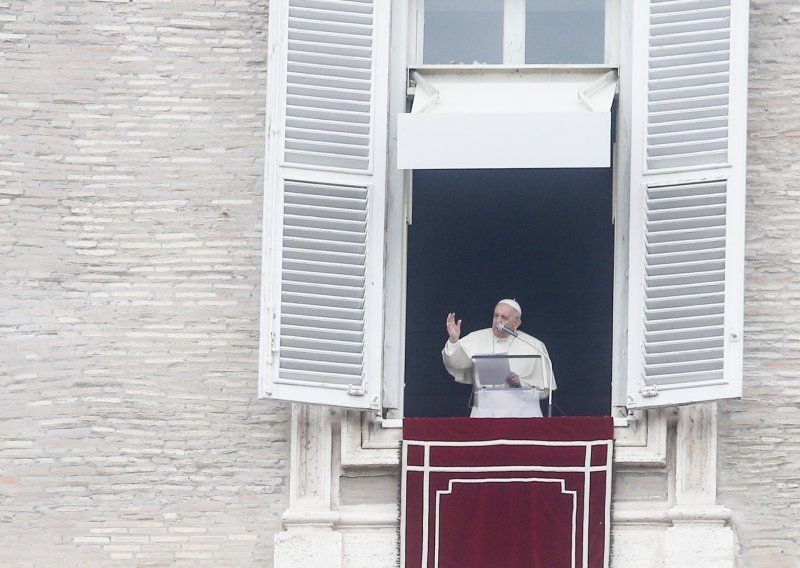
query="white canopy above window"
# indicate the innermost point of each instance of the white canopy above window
(553, 117)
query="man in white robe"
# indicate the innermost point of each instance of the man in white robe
(530, 379)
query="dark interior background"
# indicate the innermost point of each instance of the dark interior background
(541, 236)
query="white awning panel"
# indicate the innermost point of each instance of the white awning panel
(508, 118)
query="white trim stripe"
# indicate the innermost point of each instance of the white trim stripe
(452, 482)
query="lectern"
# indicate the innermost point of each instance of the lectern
(493, 397)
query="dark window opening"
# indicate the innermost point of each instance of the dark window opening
(544, 237)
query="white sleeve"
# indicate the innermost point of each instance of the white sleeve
(457, 362)
(450, 348)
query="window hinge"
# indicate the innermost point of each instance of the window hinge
(649, 391)
(273, 343)
(623, 416)
(356, 390)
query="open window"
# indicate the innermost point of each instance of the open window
(678, 196)
(542, 236)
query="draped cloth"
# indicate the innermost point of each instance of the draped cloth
(512, 492)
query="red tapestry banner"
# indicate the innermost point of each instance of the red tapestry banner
(506, 492)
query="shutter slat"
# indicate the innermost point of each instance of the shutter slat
(313, 71)
(688, 81)
(316, 102)
(336, 115)
(326, 217)
(300, 277)
(317, 379)
(659, 337)
(707, 135)
(673, 88)
(675, 345)
(322, 92)
(683, 312)
(685, 104)
(314, 244)
(331, 291)
(338, 302)
(319, 311)
(688, 117)
(667, 126)
(345, 151)
(703, 50)
(658, 292)
(695, 278)
(692, 357)
(322, 268)
(318, 345)
(695, 375)
(342, 137)
(308, 255)
(325, 160)
(316, 227)
(325, 126)
(310, 367)
(293, 320)
(679, 161)
(326, 335)
(307, 358)
(327, 13)
(342, 85)
(673, 67)
(330, 59)
(666, 242)
(683, 324)
(323, 41)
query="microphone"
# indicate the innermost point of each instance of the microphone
(505, 329)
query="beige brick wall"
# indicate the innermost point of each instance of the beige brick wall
(759, 453)
(131, 157)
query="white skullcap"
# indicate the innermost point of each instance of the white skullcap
(513, 304)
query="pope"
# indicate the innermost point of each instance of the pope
(530, 378)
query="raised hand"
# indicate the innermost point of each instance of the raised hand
(453, 328)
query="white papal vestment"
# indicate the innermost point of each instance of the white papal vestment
(536, 375)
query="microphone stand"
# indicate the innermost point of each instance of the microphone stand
(505, 329)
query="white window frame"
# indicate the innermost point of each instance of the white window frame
(406, 52)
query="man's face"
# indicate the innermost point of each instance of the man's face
(505, 314)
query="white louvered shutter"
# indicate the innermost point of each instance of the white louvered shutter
(321, 318)
(685, 311)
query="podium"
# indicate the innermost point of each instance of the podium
(493, 397)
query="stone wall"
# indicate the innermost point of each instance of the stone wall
(131, 157)
(759, 453)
